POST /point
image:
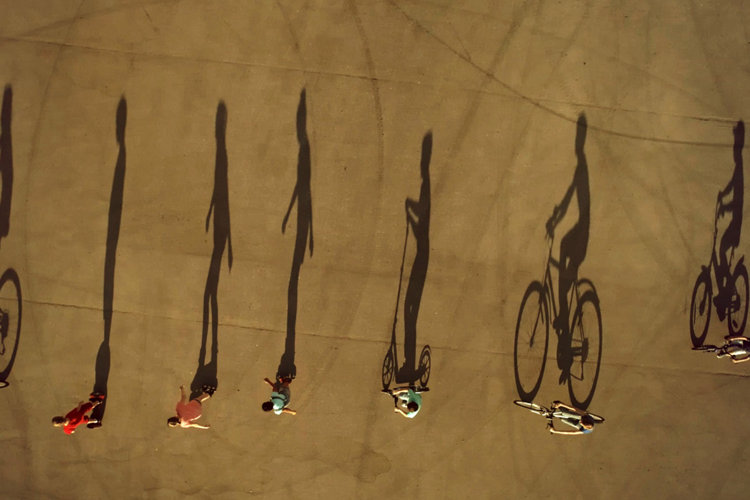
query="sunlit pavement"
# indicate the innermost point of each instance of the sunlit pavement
(99, 225)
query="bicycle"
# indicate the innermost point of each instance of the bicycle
(552, 414)
(729, 348)
(532, 336)
(733, 295)
(10, 322)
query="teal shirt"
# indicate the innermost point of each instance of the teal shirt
(412, 397)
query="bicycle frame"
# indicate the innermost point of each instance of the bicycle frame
(549, 287)
(713, 266)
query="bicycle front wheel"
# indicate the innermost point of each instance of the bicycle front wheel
(532, 407)
(531, 342)
(700, 309)
(10, 321)
(738, 302)
(586, 348)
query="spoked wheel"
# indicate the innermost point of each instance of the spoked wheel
(738, 302)
(389, 364)
(531, 342)
(586, 349)
(10, 322)
(700, 308)
(425, 363)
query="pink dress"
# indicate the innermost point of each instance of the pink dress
(188, 412)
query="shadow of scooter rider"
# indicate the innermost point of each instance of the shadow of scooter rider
(418, 219)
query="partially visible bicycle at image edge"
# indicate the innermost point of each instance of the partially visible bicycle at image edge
(736, 348)
(538, 311)
(731, 300)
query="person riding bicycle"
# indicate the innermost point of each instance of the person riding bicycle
(737, 348)
(731, 237)
(578, 419)
(408, 401)
(572, 246)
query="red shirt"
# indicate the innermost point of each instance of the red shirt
(76, 417)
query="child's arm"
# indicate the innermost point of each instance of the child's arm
(289, 411)
(268, 381)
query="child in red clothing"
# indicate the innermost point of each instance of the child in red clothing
(77, 415)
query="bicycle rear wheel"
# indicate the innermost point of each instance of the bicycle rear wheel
(531, 341)
(10, 321)
(738, 302)
(700, 308)
(586, 349)
(597, 418)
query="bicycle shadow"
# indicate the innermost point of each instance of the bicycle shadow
(418, 221)
(10, 275)
(113, 234)
(206, 373)
(302, 195)
(731, 297)
(574, 315)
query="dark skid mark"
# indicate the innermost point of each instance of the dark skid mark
(538, 103)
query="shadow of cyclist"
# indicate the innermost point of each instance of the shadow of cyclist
(731, 237)
(303, 196)
(113, 235)
(418, 220)
(572, 246)
(206, 373)
(7, 351)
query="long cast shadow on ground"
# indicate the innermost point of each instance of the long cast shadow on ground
(731, 296)
(113, 234)
(206, 373)
(10, 317)
(303, 196)
(418, 221)
(574, 317)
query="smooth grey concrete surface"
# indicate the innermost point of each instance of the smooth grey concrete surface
(500, 85)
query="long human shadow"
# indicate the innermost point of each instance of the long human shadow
(6, 162)
(573, 245)
(730, 240)
(303, 196)
(418, 220)
(113, 235)
(206, 373)
(8, 341)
